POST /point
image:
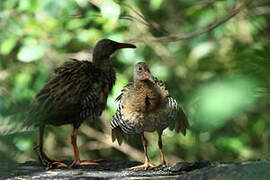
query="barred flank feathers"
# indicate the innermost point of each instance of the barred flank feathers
(119, 127)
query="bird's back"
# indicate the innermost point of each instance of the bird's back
(77, 91)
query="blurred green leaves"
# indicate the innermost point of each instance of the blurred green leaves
(7, 45)
(155, 4)
(217, 102)
(22, 143)
(28, 53)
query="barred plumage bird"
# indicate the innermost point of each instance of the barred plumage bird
(77, 91)
(146, 106)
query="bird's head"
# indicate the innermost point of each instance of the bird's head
(142, 72)
(106, 47)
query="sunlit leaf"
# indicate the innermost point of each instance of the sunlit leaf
(24, 5)
(155, 4)
(31, 53)
(23, 144)
(202, 50)
(7, 45)
(110, 9)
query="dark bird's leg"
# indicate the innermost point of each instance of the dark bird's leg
(77, 160)
(147, 163)
(47, 162)
(163, 162)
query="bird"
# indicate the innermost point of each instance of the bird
(146, 106)
(77, 91)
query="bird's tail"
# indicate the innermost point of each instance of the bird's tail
(119, 135)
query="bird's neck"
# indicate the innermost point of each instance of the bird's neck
(102, 63)
(145, 84)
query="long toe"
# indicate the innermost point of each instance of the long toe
(161, 165)
(143, 166)
(55, 164)
(84, 163)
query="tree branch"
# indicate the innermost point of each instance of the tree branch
(208, 28)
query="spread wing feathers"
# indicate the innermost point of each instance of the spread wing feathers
(119, 127)
(176, 115)
(179, 121)
(71, 90)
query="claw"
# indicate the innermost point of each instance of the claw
(47, 162)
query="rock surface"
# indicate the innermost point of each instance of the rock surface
(257, 170)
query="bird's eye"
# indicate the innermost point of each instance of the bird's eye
(140, 69)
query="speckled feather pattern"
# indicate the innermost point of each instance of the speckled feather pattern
(147, 108)
(77, 91)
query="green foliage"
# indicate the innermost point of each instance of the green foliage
(220, 101)
(221, 77)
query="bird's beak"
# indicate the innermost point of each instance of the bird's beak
(149, 76)
(124, 45)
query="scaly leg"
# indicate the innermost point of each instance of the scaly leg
(77, 161)
(47, 162)
(147, 163)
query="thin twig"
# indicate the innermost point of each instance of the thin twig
(208, 28)
(150, 23)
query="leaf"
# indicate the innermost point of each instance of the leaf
(7, 45)
(155, 4)
(110, 9)
(31, 53)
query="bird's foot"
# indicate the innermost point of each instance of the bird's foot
(47, 162)
(163, 165)
(55, 164)
(145, 166)
(84, 163)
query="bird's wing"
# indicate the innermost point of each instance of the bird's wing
(118, 125)
(72, 91)
(178, 118)
(176, 113)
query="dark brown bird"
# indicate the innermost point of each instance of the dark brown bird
(146, 106)
(77, 91)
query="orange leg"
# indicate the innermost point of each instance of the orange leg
(47, 162)
(77, 161)
(147, 163)
(163, 162)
